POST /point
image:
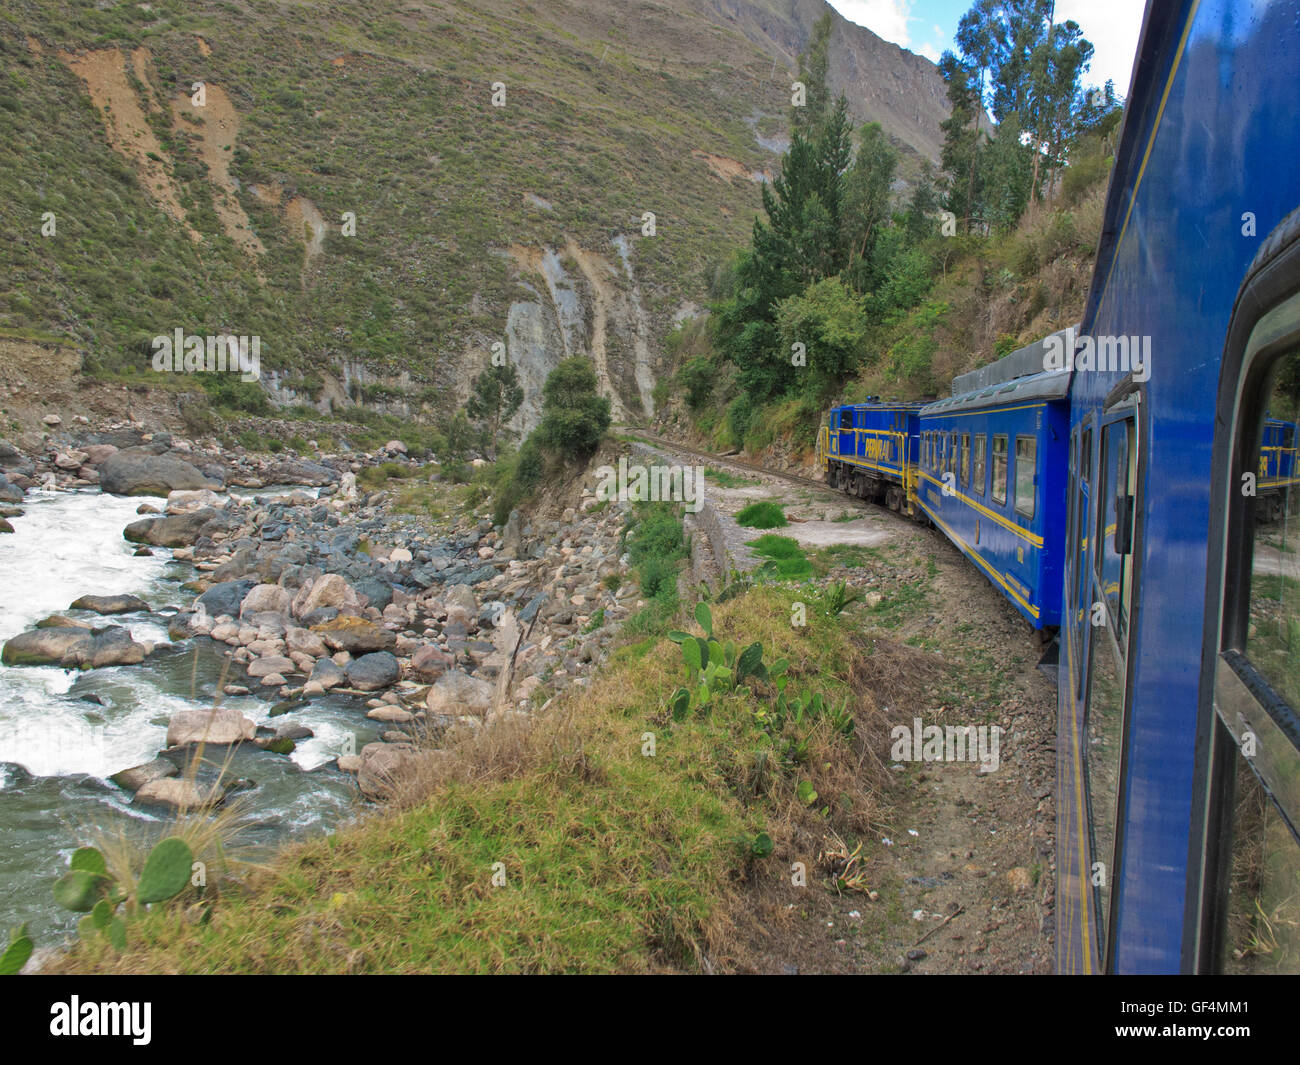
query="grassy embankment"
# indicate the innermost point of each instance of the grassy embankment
(613, 859)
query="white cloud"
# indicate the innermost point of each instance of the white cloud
(930, 51)
(885, 18)
(1113, 27)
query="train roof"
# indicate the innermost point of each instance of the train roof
(1046, 384)
(1023, 362)
(911, 404)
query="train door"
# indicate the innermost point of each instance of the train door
(1250, 895)
(1106, 637)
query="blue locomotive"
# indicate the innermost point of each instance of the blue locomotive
(1133, 482)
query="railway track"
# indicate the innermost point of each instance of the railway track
(793, 478)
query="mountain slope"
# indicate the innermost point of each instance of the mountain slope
(336, 179)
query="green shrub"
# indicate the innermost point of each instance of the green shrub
(763, 515)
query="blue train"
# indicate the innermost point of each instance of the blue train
(1132, 484)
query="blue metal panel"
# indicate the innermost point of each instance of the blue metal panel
(1020, 555)
(1211, 136)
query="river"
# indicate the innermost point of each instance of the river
(63, 733)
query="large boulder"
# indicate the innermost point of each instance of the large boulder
(329, 591)
(110, 604)
(178, 530)
(299, 471)
(373, 671)
(327, 674)
(179, 794)
(304, 642)
(224, 597)
(271, 664)
(219, 726)
(266, 597)
(384, 766)
(140, 473)
(46, 647)
(430, 662)
(137, 777)
(73, 647)
(357, 636)
(456, 693)
(9, 492)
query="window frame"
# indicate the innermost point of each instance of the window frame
(1006, 468)
(979, 463)
(1029, 514)
(1237, 697)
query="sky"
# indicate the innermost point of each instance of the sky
(926, 27)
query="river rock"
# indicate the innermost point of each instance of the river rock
(113, 646)
(174, 530)
(304, 642)
(385, 765)
(327, 674)
(329, 591)
(271, 665)
(110, 604)
(457, 693)
(219, 726)
(357, 636)
(46, 647)
(178, 794)
(266, 597)
(9, 492)
(140, 473)
(373, 671)
(462, 597)
(224, 598)
(298, 471)
(135, 778)
(431, 662)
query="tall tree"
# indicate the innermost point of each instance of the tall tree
(814, 65)
(493, 400)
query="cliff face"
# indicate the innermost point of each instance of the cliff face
(881, 81)
(382, 191)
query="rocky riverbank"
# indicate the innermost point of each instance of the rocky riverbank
(323, 588)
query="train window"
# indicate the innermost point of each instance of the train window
(846, 419)
(1115, 516)
(1272, 639)
(952, 453)
(1026, 474)
(981, 445)
(965, 460)
(1104, 722)
(999, 469)
(1253, 899)
(1262, 918)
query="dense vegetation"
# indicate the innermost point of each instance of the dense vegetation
(845, 290)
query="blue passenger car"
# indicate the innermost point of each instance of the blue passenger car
(869, 450)
(1178, 733)
(992, 477)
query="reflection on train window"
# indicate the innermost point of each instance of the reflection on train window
(1262, 933)
(965, 460)
(1114, 559)
(999, 469)
(846, 419)
(1105, 725)
(1273, 635)
(1026, 474)
(981, 445)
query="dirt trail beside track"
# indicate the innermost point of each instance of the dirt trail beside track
(963, 871)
